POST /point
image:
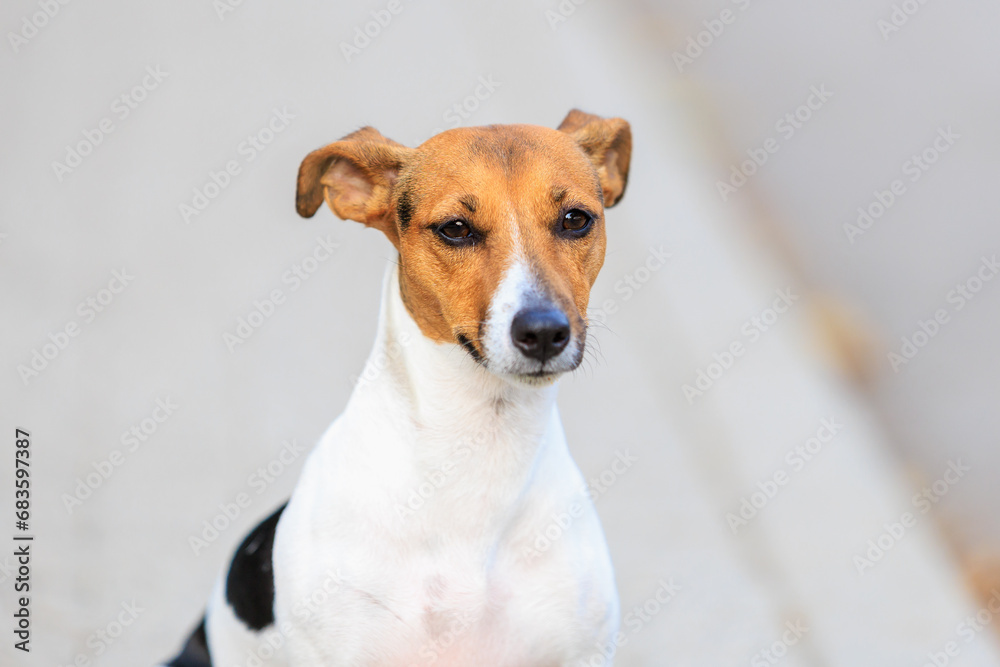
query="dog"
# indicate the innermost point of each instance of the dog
(441, 519)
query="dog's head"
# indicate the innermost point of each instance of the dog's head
(500, 229)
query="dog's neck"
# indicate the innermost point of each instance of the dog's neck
(444, 406)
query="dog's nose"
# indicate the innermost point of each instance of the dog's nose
(540, 333)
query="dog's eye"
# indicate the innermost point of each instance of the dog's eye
(455, 230)
(576, 221)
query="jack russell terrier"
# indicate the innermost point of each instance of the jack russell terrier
(411, 536)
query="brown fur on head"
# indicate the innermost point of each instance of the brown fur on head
(509, 187)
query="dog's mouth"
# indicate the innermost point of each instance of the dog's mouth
(521, 370)
(537, 379)
(471, 348)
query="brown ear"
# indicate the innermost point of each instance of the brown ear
(355, 176)
(608, 143)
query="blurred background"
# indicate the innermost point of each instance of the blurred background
(798, 317)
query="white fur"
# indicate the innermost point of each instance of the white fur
(454, 577)
(519, 288)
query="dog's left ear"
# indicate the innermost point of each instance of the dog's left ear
(355, 176)
(608, 144)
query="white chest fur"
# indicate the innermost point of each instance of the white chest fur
(413, 535)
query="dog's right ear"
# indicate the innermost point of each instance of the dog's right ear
(355, 176)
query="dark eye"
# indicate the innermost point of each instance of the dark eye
(455, 230)
(576, 221)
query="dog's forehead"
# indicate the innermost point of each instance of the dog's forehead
(526, 156)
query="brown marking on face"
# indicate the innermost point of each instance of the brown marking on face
(519, 180)
(511, 184)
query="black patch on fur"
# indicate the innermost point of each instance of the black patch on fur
(195, 653)
(404, 208)
(250, 584)
(470, 348)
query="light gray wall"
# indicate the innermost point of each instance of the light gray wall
(162, 337)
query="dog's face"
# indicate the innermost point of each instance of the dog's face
(500, 230)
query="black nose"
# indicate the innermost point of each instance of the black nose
(540, 333)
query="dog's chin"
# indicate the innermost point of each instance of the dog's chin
(542, 377)
(534, 379)
(523, 372)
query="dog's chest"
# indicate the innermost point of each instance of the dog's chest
(436, 557)
(450, 608)
(432, 596)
